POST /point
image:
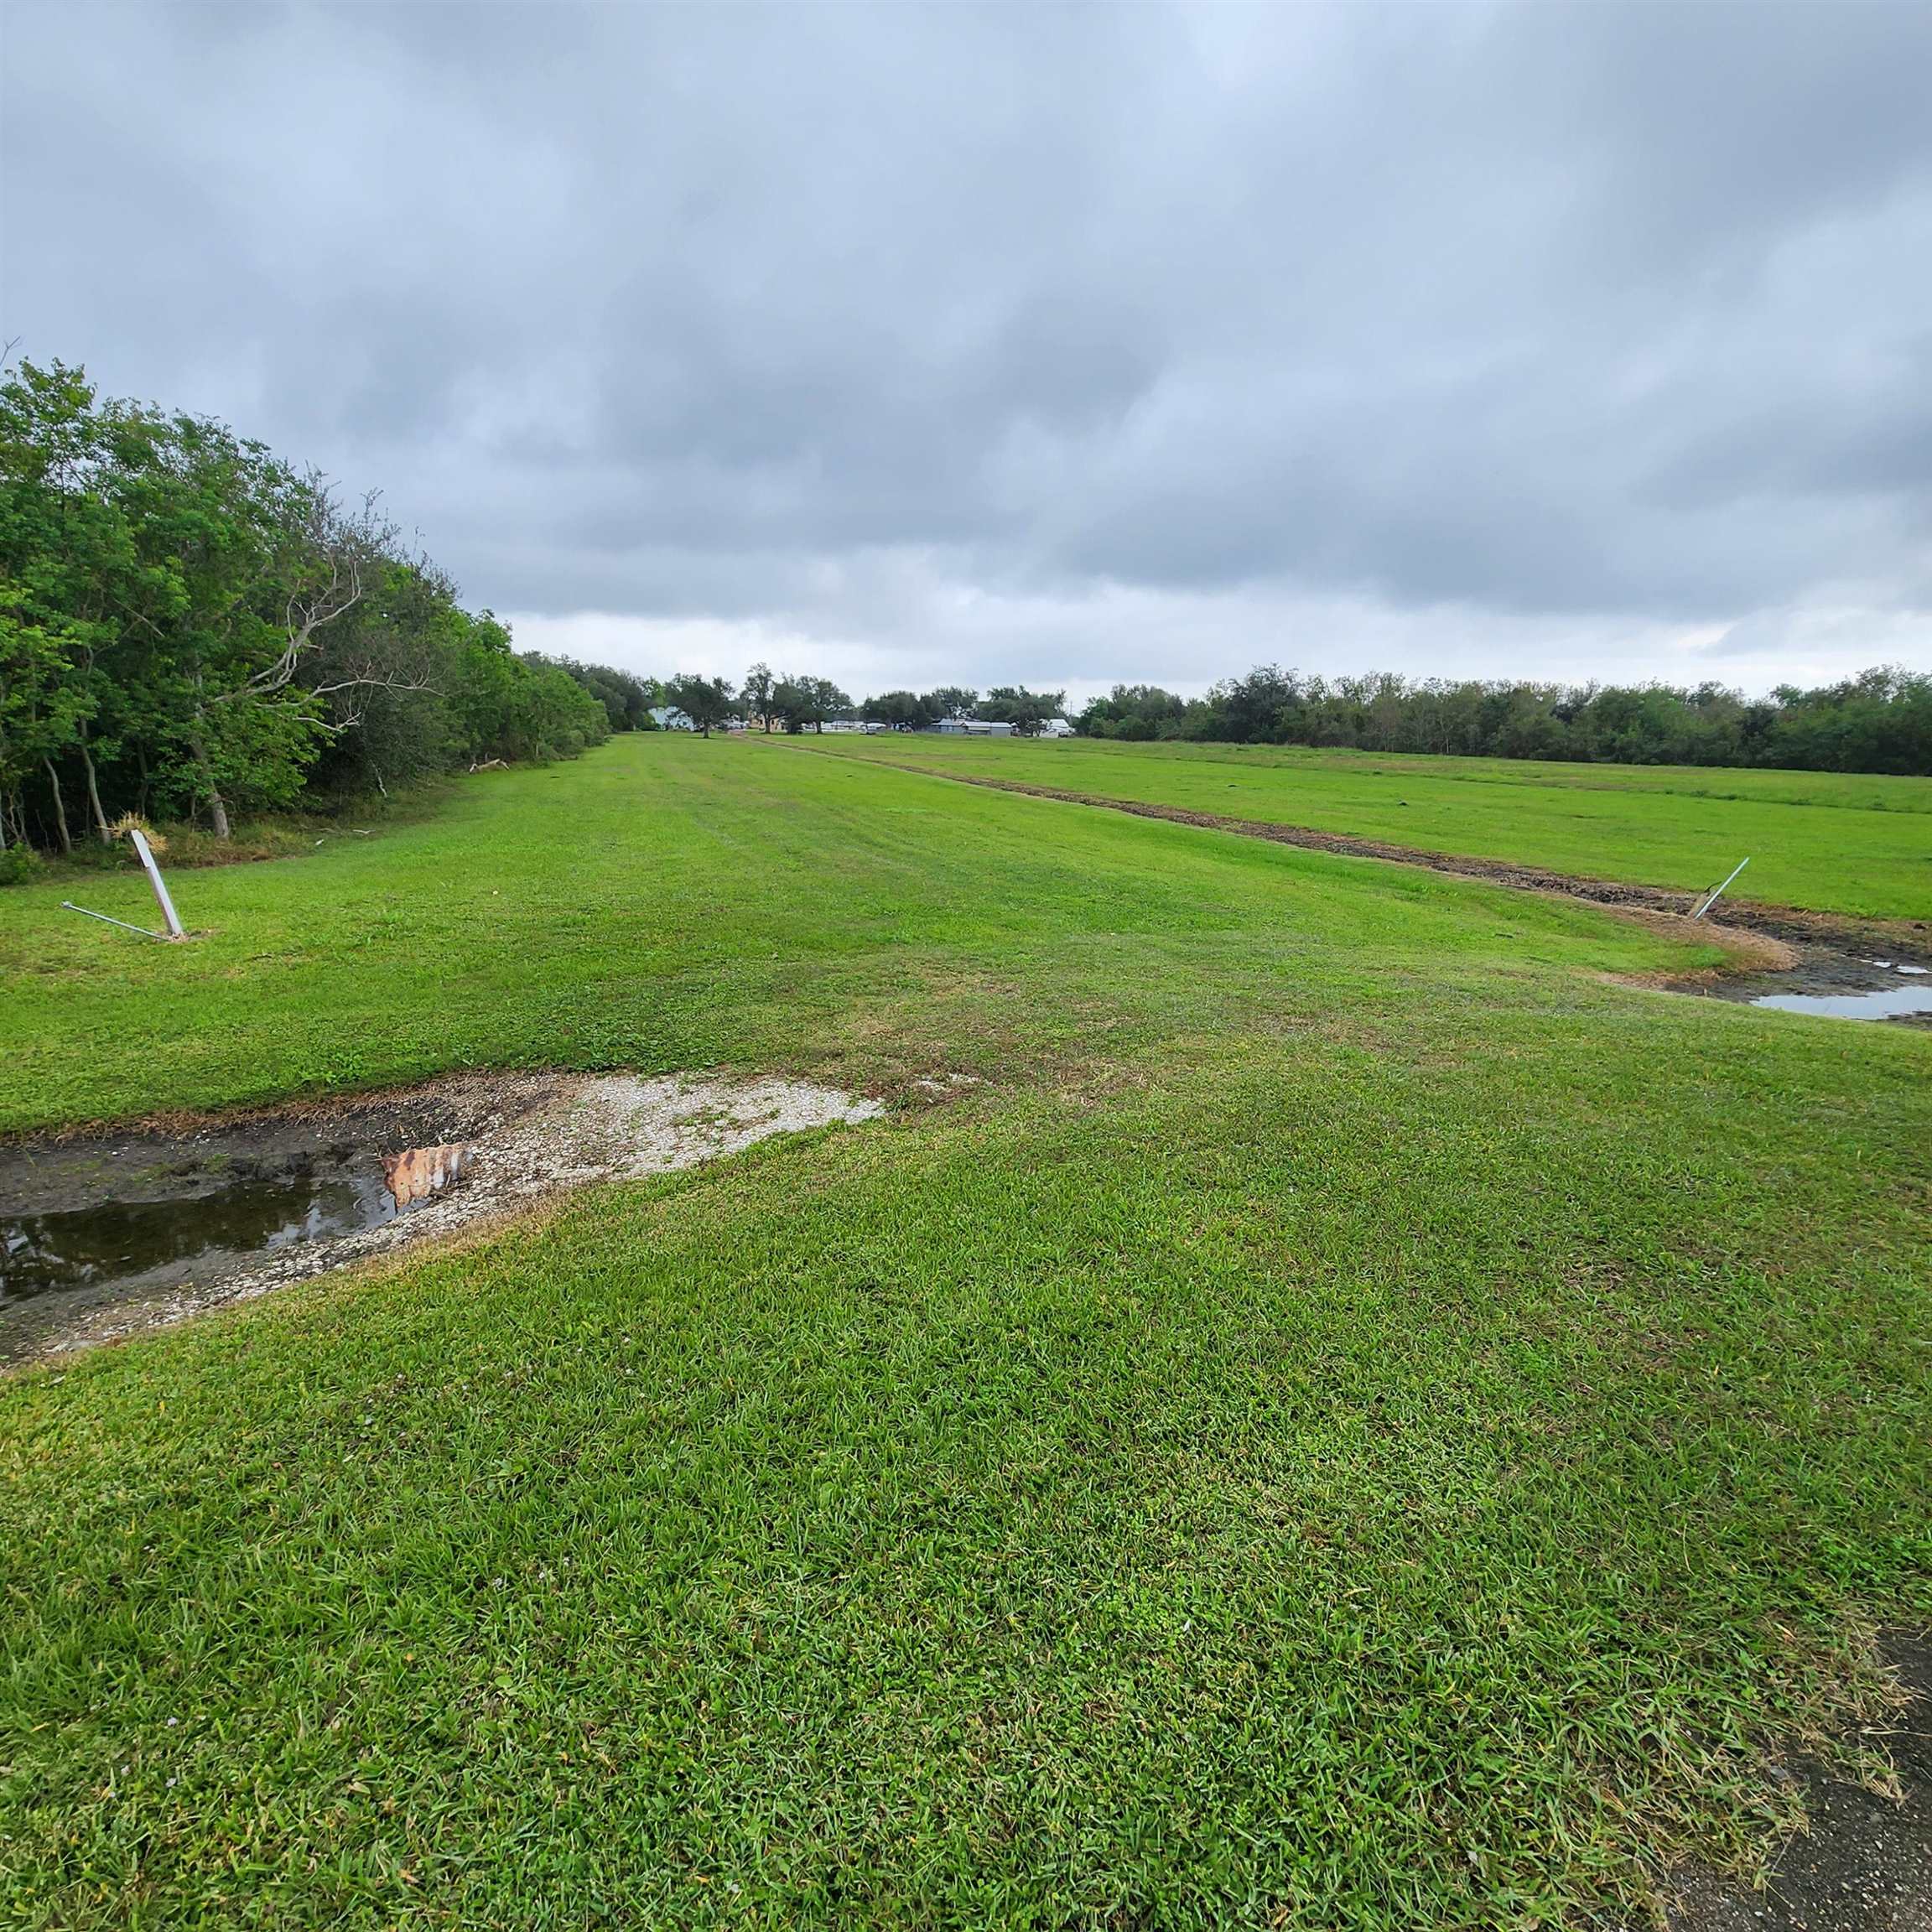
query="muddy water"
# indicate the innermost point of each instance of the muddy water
(104, 1236)
(131, 1241)
(1833, 984)
(91, 1223)
(1883, 1003)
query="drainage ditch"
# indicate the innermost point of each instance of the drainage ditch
(104, 1236)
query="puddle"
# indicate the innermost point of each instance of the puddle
(1835, 985)
(130, 1242)
(1884, 1003)
(102, 1237)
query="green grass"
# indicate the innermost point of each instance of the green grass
(1360, 1421)
(1829, 842)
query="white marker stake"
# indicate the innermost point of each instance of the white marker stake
(169, 917)
(108, 918)
(1717, 891)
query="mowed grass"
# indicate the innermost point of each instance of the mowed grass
(1828, 841)
(1357, 1421)
(665, 906)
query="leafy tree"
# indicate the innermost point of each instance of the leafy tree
(705, 701)
(626, 700)
(824, 701)
(1025, 710)
(1135, 712)
(904, 710)
(790, 703)
(952, 701)
(755, 695)
(798, 702)
(188, 624)
(42, 702)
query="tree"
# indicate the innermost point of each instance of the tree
(1137, 712)
(823, 700)
(755, 695)
(41, 703)
(799, 702)
(903, 710)
(705, 701)
(790, 703)
(1248, 710)
(1025, 710)
(952, 701)
(626, 700)
(187, 624)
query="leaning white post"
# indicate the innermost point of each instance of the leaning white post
(169, 917)
(1717, 891)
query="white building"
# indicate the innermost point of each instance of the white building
(669, 717)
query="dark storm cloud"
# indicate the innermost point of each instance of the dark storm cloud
(783, 314)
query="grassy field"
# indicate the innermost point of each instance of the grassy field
(1863, 846)
(1359, 1421)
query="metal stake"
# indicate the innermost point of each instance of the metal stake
(1716, 891)
(108, 918)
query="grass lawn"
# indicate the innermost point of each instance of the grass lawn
(1860, 845)
(1358, 1421)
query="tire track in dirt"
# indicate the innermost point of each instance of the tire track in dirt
(1790, 922)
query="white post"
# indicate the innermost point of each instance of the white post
(1717, 891)
(169, 917)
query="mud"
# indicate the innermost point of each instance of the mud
(1864, 1862)
(103, 1236)
(1792, 924)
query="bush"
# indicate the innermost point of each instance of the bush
(20, 864)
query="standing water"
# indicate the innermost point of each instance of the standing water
(1882, 1003)
(129, 1241)
(1833, 985)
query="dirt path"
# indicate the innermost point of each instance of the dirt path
(1788, 922)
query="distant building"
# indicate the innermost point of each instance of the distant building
(669, 717)
(970, 728)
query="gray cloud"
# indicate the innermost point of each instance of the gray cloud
(1364, 330)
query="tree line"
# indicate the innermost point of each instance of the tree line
(774, 702)
(192, 629)
(1880, 721)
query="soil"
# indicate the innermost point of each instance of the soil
(1864, 1862)
(103, 1236)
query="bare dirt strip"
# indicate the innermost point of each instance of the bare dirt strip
(1790, 922)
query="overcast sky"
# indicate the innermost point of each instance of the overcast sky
(910, 344)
